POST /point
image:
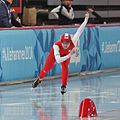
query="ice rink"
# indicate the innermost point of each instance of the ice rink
(21, 102)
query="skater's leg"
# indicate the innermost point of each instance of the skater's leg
(50, 62)
(65, 71)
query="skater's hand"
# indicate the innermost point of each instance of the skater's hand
(87, 15)
(90, 10)
(72, 52)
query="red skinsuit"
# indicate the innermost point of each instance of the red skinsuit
(51, 61)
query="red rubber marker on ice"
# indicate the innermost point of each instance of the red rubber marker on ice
(87, 109)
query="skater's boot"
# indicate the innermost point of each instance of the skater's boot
(63, 89)
(36, 82)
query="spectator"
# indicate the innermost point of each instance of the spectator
(99, 18)
(64, 12)
(7, 18)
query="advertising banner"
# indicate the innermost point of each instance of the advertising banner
(24, 52)
(109, 39)
(17, 54)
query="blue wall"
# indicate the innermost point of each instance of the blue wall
(23, 52)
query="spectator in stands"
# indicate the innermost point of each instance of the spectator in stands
(61, 52)
(7, 18)
(99, 18)
(64, 12)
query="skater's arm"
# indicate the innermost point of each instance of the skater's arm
(57, 55)
(80, 29)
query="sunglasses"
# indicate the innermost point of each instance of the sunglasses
(66, 42)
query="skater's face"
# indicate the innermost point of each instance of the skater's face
(65, 46)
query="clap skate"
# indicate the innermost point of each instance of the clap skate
(36, 82)
(63, 89)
